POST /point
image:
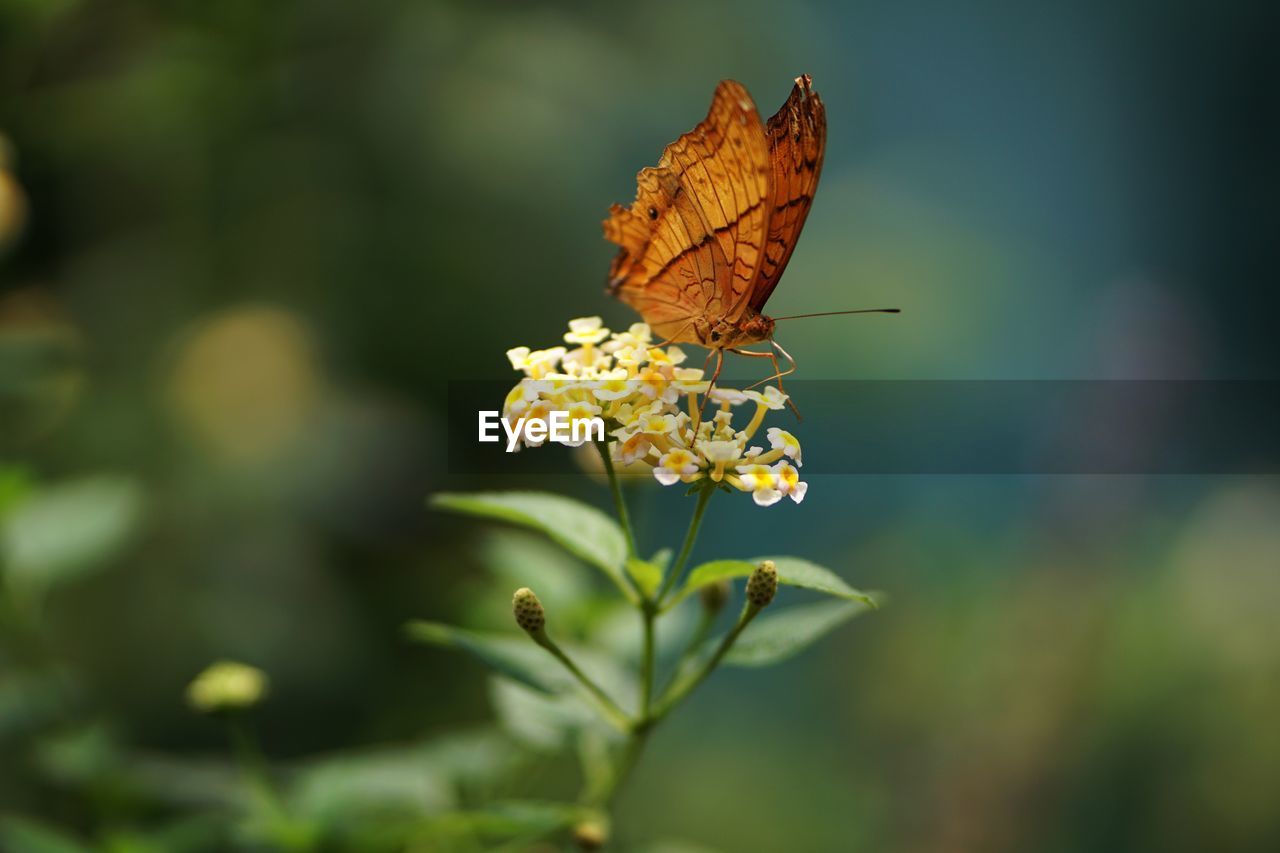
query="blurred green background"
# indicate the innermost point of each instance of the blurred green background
(246, 244)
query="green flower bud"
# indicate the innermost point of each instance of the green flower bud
(528, 611)
(591, 835)
(714, 595)
(762, 586)
(227, 686)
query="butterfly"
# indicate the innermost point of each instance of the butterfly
(714, 223)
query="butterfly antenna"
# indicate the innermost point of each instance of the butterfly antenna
(837, 313)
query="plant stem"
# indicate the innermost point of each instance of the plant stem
(619, 503)
(683, 687)
(253, 764)
(677, 569)
(648, 658)
(611, 710)
(626, 763)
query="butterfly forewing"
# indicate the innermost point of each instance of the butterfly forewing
(692, 241)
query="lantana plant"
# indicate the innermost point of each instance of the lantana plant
(588, 682)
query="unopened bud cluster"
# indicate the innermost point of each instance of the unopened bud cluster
(714, 595)
(528, 610)
(762, 586)
(227, 686)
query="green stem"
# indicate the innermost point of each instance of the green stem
(648, 613)
(619, 503)
(615, 714)
(677, 569)
(253, 764)
(683, 687)
(622, 770)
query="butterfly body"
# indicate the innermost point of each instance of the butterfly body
(714, 223)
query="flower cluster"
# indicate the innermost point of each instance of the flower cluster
(656, 412)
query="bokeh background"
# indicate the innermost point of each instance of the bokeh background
(246, 245)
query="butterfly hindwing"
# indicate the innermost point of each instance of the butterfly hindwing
(797, 141)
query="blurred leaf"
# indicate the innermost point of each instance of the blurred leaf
(77, 756)
(792, 571)
(583, 530)
(64, 531)
(672, 845)
(15, 485)
(647, 575)
(512, 820)
(774, 637)
(594, 758)
(369, 783)
(539, 721)
(187, 782)
(28, 700)
(198, 834)
(24, 835)
(528, 560)
(514, 656)
(478, 756)
(545, 721)
(618, 632)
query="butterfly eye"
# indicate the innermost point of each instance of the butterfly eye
(653, 213)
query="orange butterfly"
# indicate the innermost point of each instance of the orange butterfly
(715, 222)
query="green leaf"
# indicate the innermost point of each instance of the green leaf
(516, 657)
(369, 783)
(647, 575)
(24, 835)
(774, 637)
(709, 573)
(792, 571)
(64, 531)
(523, 558)
(583, 530)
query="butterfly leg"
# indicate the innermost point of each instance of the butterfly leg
(719, 354)
(778, 372)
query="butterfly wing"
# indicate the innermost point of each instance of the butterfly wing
(692, 241)
(797, 135)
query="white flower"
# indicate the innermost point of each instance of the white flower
(656, 423)
(720, 452)
(730, 396)
(675, 466)
(634, 449)
(585, 330)
(655, 385)
(788, 481)
(543, 362)
(636, 337)
(780, 439)
(637, 388)
(761, 481)
(668, 357)
(688, 380)
(519, 357)
(772, 398)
